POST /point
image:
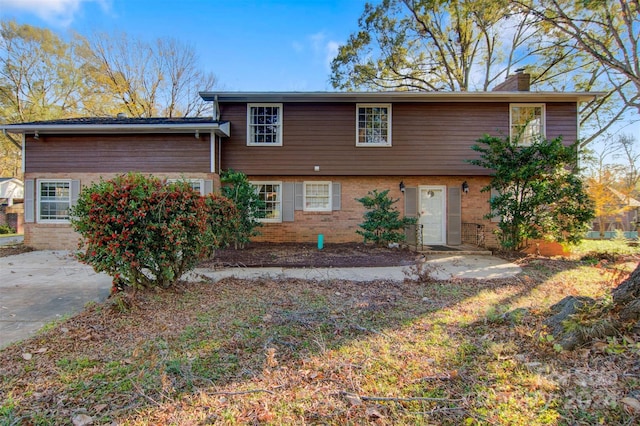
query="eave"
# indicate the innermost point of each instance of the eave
(222, 129)
(396, 97)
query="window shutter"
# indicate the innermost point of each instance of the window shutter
(75, 192)
(208, 187)
(411, 202)
(454, 216)
(288, 195)
(494, 215)
(29, 205)
(299, 196)
(411, 210)
(335, 196)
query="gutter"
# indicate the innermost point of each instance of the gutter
(222, 129)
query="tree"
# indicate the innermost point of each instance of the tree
(539, 192)
(39, 80)
(606, 203)
(431, 45)
(148, 79)
(605, 33)
(250, 206)
(382, 223)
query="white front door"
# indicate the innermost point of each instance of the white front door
(432, 214)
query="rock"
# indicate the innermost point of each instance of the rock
(562, 311)
(82, 420)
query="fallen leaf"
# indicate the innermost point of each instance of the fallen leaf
(42, 350)
(353, 399)
(372, 413)
(632, 403)
(27, 356)
(81, 420)
(99, 407)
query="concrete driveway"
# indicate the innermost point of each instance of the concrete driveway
(41, 286)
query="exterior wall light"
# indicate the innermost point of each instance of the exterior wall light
(401, 186)
(465, 187)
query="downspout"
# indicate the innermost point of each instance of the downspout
(15, 142)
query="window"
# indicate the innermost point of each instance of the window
(373, 125)
(196, 184)
(54, 200)
(271, 194)
(264, 124)
(527, 123)
(317, 196)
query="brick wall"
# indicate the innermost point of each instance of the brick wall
(337, 226)
(48, 236)
(340, 226)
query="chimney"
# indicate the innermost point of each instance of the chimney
(518, 82)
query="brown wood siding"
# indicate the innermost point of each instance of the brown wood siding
(427, 139)
(118, 153)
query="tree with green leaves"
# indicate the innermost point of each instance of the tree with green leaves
(540, 194)
(382, 223)
(250, 207)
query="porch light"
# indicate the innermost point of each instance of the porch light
(401, 186)
(465, 187)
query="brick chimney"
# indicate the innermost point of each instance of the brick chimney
(518, 82)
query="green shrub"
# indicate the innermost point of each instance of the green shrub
(141, 231)
(6, 229)
(222, 221)
(382, 223)
(237, 188)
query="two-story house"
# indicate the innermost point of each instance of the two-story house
(309, 154)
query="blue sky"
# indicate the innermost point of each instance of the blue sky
(250, 45)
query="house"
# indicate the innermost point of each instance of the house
(626, 220)
(10, 189)
(310, 156)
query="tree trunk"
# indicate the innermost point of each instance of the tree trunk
(626, 297)
(625, 312)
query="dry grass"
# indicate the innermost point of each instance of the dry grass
(333, 352)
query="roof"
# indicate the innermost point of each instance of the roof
(496, 96)
(6, 179)
(99, 125)
(631, 202)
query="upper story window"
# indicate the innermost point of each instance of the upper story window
(271, 194)
(373, 126)
(527, 122)
(264, 124)
(54, 200)
(196, 184)
(317, 196)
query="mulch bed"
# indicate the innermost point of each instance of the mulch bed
(14, 249)
(308, 255)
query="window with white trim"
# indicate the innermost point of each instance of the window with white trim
(527, 123)
(317, 196)
(196, 184)
(373, 125)
(54, 200)
(264, 124)
(271, 194)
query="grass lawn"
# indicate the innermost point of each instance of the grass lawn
(330, 352)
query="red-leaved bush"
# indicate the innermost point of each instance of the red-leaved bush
(141, 231)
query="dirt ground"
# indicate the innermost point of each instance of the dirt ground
(308, 255)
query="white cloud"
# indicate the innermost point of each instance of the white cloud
(324, 50)
(55, 12)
